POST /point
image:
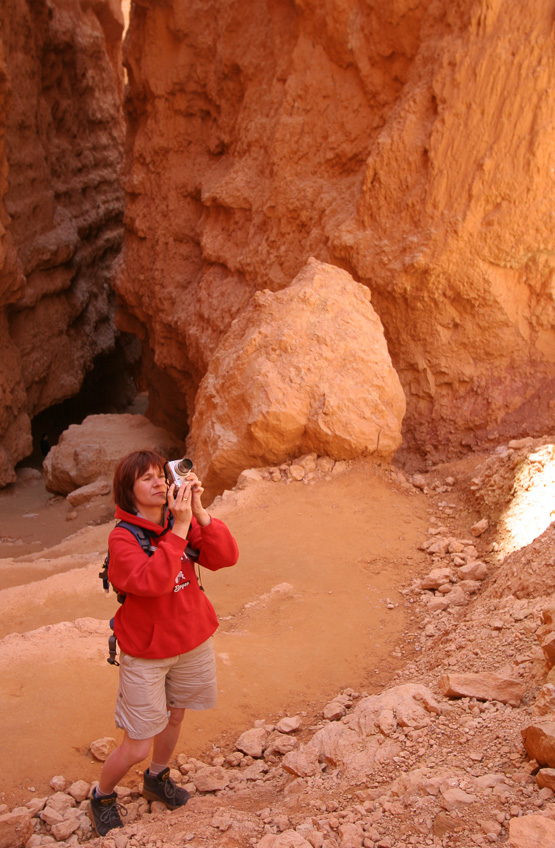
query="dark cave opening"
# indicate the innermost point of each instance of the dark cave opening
(109, 387)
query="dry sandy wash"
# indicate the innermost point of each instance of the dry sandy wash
(328, 599)
(304, 613)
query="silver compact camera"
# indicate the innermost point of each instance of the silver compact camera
(176, 471)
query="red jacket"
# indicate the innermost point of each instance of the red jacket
(165, 613)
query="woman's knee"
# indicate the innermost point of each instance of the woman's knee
(135, 750)
(175, 716)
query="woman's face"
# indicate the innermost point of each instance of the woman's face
(150, 490)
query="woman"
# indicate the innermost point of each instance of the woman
(164, 627)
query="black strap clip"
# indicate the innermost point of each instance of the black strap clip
(112, 649)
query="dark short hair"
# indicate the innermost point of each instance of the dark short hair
(132, 466)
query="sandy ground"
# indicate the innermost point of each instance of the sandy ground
(312, 607)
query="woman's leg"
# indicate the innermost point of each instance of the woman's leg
(130, 752)
(158, 785)
(165, 742)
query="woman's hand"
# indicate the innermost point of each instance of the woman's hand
(185, 502)
(196, 500)
(179, 501)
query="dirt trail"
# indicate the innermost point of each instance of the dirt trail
(312, 607)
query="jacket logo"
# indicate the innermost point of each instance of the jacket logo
(181, 585)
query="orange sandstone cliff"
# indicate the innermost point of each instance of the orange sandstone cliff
(61, 206)
(409, 143)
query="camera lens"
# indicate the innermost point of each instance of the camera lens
(184, 465)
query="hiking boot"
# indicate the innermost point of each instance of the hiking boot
(163, 788)
(105, 813)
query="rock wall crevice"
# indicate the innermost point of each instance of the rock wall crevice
(61, 142)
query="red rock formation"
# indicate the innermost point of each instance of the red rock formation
(302, 370)
(410, 143)
(61, 136)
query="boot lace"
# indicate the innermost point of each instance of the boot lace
(170, 788)
(112, 815)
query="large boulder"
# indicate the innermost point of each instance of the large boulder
(302, 370)
(91, 450)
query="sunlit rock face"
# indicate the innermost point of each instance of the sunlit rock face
(61, 206)
(409, 143)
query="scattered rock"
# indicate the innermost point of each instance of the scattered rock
(539, 741)
(302, 763)
(287, 839)
(210, 779)
(546, 778)
(484, 686)
(480, 527)
(16, 828)
(79, 790)
(102, 748)
(289, 724)
(58, 783)
(253, 742)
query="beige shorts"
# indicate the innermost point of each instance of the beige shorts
(149, 688)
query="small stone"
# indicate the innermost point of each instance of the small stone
(211, 779)
(297, 472)
(64, 829)
(51, 816)
(546, 778)
(253, 742)
(457, 597)
(436, 578)
(539, 741)
(335, 710)
(301, 763)
(102, 748)
(480, 527)
(455, 798)
(484, 686)
(474, 571)
(289, 724)
(79, 790)
(87, 493)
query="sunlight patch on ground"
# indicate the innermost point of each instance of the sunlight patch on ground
(532, 508)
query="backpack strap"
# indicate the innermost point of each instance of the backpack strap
(141, 535)
(144, 540)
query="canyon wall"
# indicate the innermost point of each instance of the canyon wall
(409, 143)
(61, 205)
